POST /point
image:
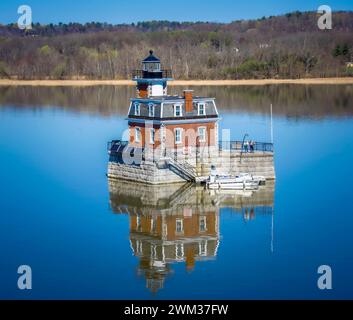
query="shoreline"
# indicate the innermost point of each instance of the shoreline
(255, 82)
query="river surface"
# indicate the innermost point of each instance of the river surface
(85, 237)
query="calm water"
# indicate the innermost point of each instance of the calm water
(79, 232)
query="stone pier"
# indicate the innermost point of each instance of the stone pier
(197, 166)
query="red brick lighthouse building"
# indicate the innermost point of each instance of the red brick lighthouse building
(169, 123)
(175, 138)
(171, 131)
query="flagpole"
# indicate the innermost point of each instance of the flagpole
(271, 124)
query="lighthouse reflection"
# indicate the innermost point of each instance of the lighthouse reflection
(179, 223)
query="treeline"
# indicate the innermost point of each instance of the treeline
(288, 46)
(292, 101)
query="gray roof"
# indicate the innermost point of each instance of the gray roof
(161, 99)
(151, 58)
(168, 107)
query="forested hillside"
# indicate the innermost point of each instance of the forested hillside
(288, 46)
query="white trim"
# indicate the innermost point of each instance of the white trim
(130, 107)
(153, 224)
(203, 248)
(181, 224)
(181, 109)
(205, 136)
(204, 108)
(138, 105)
(162, 109)
(137, 138)
(182, 121)
(152, 141)
(205, 223)
(182, 254)
(151, 106)
(215, 107)
(181, 135)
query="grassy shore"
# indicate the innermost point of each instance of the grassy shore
(6, 82)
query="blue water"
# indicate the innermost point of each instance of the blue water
(56, 216)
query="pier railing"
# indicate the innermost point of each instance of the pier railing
(245, 147)
(118, 146)
(141, 74)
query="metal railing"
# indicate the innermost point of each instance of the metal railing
(246, 146)
(141, 74)
(118, 146)
(185, 167)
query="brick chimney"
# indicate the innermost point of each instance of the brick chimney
(188, 95)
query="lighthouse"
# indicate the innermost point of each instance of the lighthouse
(175, 138)
(169, 124)
(151, 79)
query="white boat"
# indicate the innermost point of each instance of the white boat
(232, 183)
(243, 181)
(248, 176)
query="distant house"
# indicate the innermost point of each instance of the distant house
(264, 45)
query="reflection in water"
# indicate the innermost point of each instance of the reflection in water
(295, 101)
(179, 223)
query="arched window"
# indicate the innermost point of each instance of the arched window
(151, 110)
(137, 134)
(136, 109)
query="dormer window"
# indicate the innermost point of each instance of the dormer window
(136, 109)
(178, 111)
(203, 224)
(179, 226)
(151, 110)
(201, 109)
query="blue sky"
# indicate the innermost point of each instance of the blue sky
(127, 11)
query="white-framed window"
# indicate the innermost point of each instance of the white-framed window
(137, 134)
(138, 222)
(179, 251)
(202, 134)
(203, 224)
(178, 135)
(201, 107)
(136, 109)
(179, 226)
(153, 225)
(139, 249)
(165, 230)
(178, 112)
(152, 135)
(151, 110)
(203, 248)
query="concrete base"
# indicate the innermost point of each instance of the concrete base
(228, 163)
